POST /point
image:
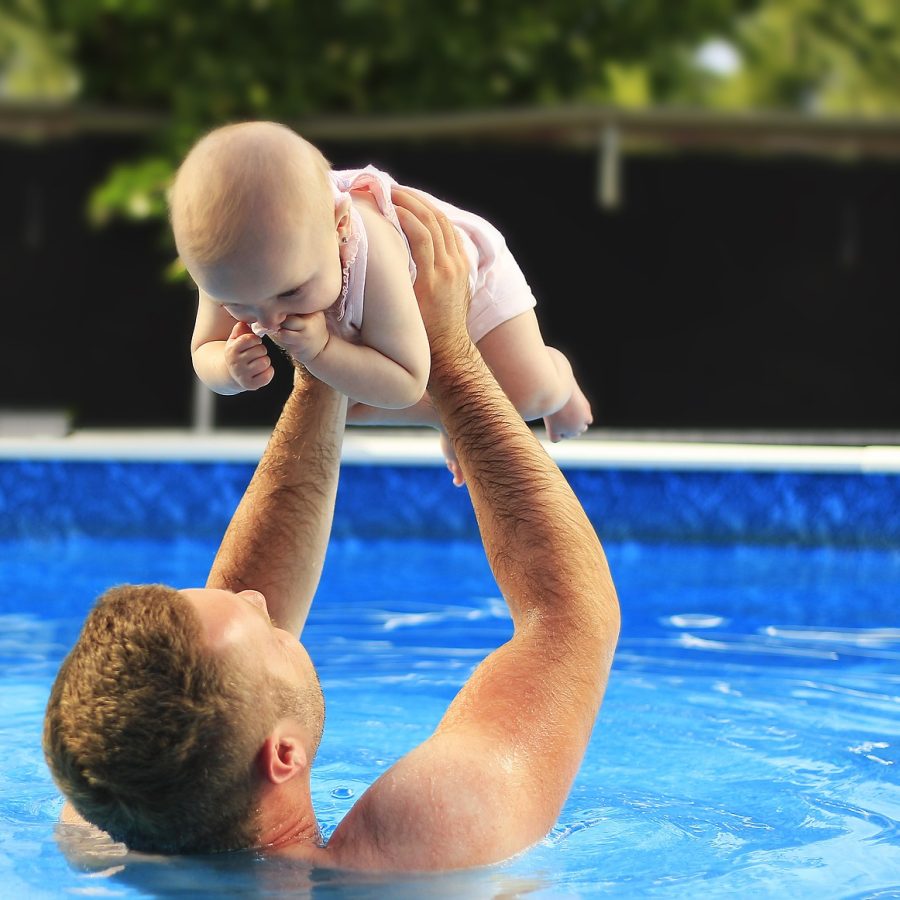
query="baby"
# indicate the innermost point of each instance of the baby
(279, 244)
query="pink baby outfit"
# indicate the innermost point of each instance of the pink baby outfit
(499, 289)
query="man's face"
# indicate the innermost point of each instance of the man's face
(239, 625)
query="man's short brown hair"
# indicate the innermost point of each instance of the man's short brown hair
(152, 737)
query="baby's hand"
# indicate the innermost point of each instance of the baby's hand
(247, 358)
(303, 337)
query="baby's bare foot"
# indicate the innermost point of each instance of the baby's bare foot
(572, 420)
(451, 460)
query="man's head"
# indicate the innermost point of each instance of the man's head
(255, 222)
(160, 724)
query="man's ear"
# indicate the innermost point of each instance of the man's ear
(283, 754)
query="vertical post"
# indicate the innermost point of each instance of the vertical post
(609, 168)
(204, 408)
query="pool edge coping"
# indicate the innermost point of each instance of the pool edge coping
(411, 448)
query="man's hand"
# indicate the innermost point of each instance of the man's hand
(302, 337)
(247, 358)
(442, 290)
(442, 278)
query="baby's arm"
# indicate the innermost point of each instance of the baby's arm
(227, 356)
(389, 369)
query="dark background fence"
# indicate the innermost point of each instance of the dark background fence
(726, 291)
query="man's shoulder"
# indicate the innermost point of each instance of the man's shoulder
(436, 808)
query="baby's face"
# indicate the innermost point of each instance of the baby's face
(296, 271)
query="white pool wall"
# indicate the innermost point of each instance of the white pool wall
(420, 447)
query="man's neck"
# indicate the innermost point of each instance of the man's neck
(287, 817)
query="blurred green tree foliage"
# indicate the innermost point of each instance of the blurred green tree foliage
(207, 62)
(813, 56)
(35, 57)
(201, 64)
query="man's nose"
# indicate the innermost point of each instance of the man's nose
(257, 599)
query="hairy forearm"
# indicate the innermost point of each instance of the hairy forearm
(542, 548)
(212, 370)
(277, 538)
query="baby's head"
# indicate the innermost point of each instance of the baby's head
(253, 214)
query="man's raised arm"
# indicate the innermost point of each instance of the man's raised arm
(495, 774)
(278, 536)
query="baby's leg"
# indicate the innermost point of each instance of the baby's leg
(537, 379)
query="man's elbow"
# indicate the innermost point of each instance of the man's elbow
(612, 625)
(605, 618)
(593, 628)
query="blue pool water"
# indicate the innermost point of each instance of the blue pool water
(749, 744)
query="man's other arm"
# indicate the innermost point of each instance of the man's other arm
(277, 538)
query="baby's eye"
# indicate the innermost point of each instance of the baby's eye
(291, 293)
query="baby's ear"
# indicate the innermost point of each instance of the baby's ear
(342, 215)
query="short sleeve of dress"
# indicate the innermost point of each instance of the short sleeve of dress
(379, 185)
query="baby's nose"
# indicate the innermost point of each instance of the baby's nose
(271, 321)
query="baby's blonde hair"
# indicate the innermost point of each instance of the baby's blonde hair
(234, 175)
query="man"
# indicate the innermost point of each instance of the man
(186, 721)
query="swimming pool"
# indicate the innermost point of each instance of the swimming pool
(749, 744)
